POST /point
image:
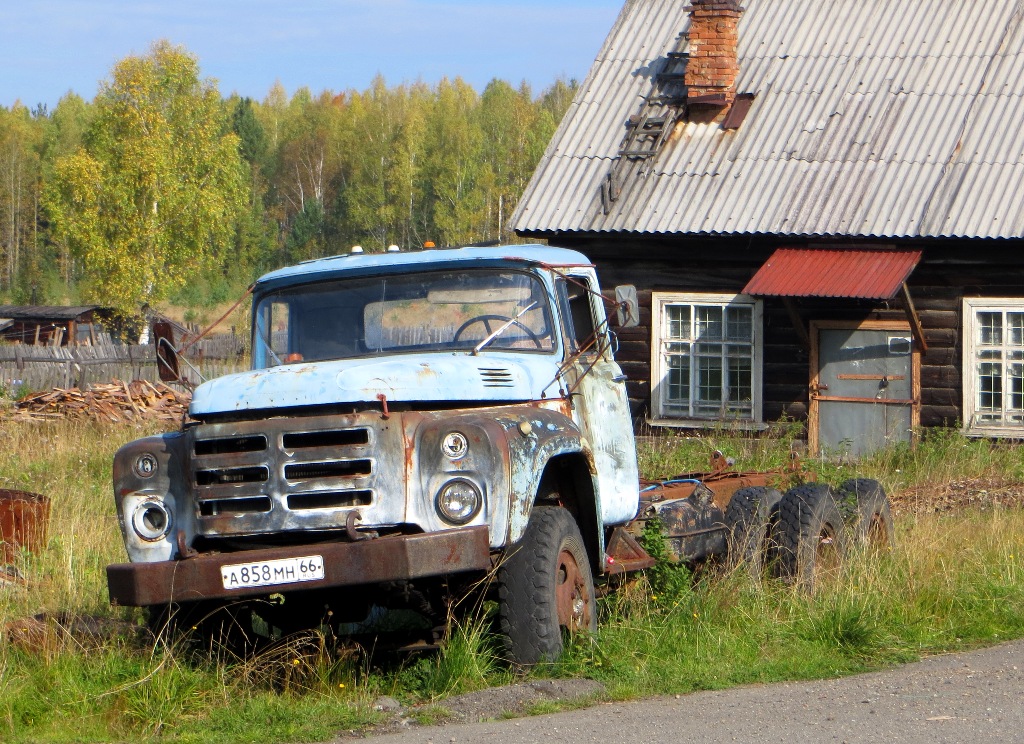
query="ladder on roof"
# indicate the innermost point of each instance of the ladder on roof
(645, 137)
(649, 129)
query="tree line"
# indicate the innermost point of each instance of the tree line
(160, 187)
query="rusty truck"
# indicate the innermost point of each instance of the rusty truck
(417, 427)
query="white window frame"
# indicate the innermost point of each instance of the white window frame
(972, 306)
(660, 415)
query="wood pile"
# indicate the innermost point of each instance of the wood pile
(113, 402)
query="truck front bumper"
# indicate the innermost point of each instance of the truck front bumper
(372, 561)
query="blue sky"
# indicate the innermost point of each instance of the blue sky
(48, 47)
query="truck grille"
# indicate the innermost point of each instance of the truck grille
(299, 468)
(231, 445)
(231, 475)
(345, 469)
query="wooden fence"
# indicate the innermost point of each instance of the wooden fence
(24, 367)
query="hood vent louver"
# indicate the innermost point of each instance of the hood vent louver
(496, 377)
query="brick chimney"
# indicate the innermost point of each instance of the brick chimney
(713, 66)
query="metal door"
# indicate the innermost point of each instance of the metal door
(864, 388)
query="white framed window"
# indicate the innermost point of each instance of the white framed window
(706, 358)
(993, 365)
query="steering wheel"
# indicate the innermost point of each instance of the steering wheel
(499, 320)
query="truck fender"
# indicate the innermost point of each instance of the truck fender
(149, 473)
(549, 438)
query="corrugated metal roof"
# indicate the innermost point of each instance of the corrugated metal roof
(46, 312)
(883, 118)
(833, 272)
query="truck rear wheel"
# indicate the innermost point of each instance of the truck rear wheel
(812, 534)
(545, 586)
(868, 513)
(749, 518)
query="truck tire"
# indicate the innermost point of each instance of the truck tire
(750, 519)
(868, 513)
(545, 585)
(812, 534)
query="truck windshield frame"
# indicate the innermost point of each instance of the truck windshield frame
(447, 311)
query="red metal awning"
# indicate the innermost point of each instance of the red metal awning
(876, 274)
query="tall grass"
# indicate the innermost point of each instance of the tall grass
(951, 581)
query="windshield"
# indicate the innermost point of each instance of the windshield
(466, 310)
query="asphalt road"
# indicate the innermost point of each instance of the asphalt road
(969, 697)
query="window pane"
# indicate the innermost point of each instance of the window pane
(678, 380)
(1015, 387)
(714, 350)
(709, 380)
(740, 381)
(990, 387)
(709, 322)
(740, 323)
(990, 328)
(678, 319)
(1015, 329)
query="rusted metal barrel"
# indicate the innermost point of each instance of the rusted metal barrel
(24, 518)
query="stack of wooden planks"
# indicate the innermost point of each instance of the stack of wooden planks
(114, 402)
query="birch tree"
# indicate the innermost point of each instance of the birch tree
(154, 194)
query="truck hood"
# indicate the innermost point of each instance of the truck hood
(420, 378)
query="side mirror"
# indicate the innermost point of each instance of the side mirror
(628, 306)
(166, 354)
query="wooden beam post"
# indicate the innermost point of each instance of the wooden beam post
(915, 321)
(798, 323)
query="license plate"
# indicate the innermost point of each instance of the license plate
(269, 573)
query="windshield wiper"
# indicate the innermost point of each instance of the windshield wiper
(504, 327)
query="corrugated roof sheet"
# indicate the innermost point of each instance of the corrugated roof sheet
(45, 312)
(833, 272)
(882, 118)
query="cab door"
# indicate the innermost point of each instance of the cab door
(598, 395)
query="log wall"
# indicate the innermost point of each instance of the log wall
(948, 272)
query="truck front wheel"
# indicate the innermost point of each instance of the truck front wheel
(544, 586)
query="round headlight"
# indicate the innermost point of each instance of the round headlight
(145, 465)
(152, 520)
(458, 501)
(455, 445)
